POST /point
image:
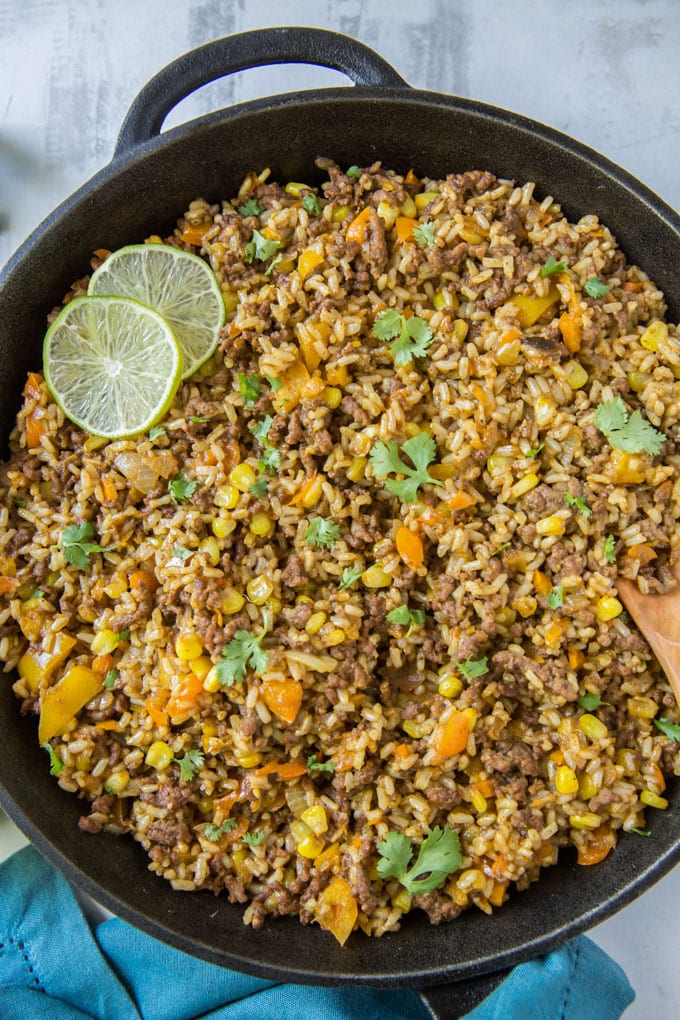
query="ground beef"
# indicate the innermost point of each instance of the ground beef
(294, 573)
(168, 832)
(170, 793)
(437, 906)
(510, 754)
(443, 796)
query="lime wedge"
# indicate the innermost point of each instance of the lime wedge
(181, 286)
(113, 365)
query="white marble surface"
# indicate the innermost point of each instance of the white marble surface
(606, 72)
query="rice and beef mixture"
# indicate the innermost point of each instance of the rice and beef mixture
(361, 581)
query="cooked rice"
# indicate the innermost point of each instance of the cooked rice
(511, 409)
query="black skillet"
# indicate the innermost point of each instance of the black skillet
(148, 183)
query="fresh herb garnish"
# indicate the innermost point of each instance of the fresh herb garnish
(274, 382)
(111, 679)
(36, 594)
(424, 235)
(553, 266)
(669, 729)
(319, 766)
(254, 838)
(535, 452)
(197, 419)
(259, 487)
(472, 668)
(76, 547)
(322, 534)
(122, 635)
(273, 264)
(180, 489)
(190, 763)
(411, 337)
(632, 434)
(349, 576)
(270, 460)
(260, 429)
(439, 855)
(384, 458)
(555, 598)
(260, 247)
(608, 549)
(243, 651)
(311, 203)
(641, 832)
(595, 288)
(249, 388)
(155, 432)
(591, 701)
(180, 552)
(354, 171)
(579, 503)
(251, 208)
(213, 832)
(56, 764)
(405, 617)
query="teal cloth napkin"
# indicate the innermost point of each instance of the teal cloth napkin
(53, 966)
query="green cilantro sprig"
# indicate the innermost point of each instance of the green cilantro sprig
(111, 679)
(244, 651)
(354, 171)
(270, 460)
(632, 434)
(254, 838)
(322, 534)
(190, 763)
(349, 576)
(579, 503)
(180, 489)
(424, 235)
(405, 617)
(595, 288)
(259, 487)
(439, 856)
(260, 247)
(76, 546)
(274, 382)
(310, 203)
(249, 388)
(591, 702)
(155, 432)
(411, 337)
(319, 766)
(180, 552)
(251, 207)
(56, 764)
(213, 832)
(555, 598)
(669, 729)
(472, 668)
(641, 832)
(609, 549)
(385, 459)
(553, 266)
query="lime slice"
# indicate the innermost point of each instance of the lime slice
(182, 287)
(113, 365)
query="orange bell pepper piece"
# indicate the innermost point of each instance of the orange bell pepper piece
(570, 328)
(337, 910)
(283, 698)
(356, 231)
(460, 500)
(286, 770)
(453, 735)
(404, 227)
(193, 232)
(597, 848)
(159, 717)
(410, 547)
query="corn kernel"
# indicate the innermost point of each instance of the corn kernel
(638, 380)
(565, 780)
(524, 485)
(402, 901)
(315, 817)
(302, 599)
(205, 805)
(211, 549)
(587, 787)
(340, 212)
(592, 727)
(334, 637)
(589, 820)
(227, 496)
(315, 623)
(653, 800)
(654, 335)
(159, 755)
(116, 588)
(439, 300)
(496, 463)
(312, 492)
(553, 525)
(478, 801)
(642, 708)
(357, 469)
(232, 601)
(387, 213)
(249, 761)
(104, 642)
(201, 666)
(311, 846)
(576, 374)
(460, 330)
(188, 646)
(222, 526)
(295, 189)
(627, 759)
(83, 762)
(117, 782)
(259, 589)
(471, 714)
(471, 236)
(607, 608)
(408, 207)
(424, 198)
(331, 396)
(450, 686)
(274, 605)
(261, 525)
(544, 410)
(242, 476)
(376, 577)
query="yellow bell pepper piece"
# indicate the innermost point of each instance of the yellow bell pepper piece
(308, 260)
(532, 308)
(37, 667)
(337, 910)
(61, 702)
(293, 381)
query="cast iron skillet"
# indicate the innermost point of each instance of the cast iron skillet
(144, 188)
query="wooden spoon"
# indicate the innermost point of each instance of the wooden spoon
(658, 617)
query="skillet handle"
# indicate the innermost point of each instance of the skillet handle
(240, 52)
(456, 1000)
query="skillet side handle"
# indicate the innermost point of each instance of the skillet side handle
(238, 53)
(456, 1000)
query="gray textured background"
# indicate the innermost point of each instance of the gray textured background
(606, 72)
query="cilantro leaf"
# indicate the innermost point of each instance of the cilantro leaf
(180, 552)
(669, 729)
(387, 324)
(251, 207)
(75, 547)
(311, 203)
(641, 832)
(354, 171)
(261, 428)
(553, 266)
(385, 459)
(190, 763)
(472, 668)
(273, 264)
(319, 766)
(579, 503)
(56, 764)
(555, 598)
(411, 337)
(405, 617)
(270, 460)
(632, 434)
(349, 576)
(254, 838)
(595, 288)
(424, 235)
(608, 549)
(155, 432)
(111, 679)
(213, 832)
(243, 651)
(180, 489)
(260, 247)
(122, 635)
(249, 388)
(36, 594)
(197, 419)
(591, 701)
(535, 452)
(274, 382)
(439, 855)
(321, 534)
(259, 487)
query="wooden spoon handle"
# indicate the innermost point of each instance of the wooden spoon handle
(658, 617)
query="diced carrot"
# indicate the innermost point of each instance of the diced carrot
(453, 735)
(356, 842)
(193, 232)
(184, 698)
(102, 663)
(409, 547)
(570, 328)
(8, 584)
(484, 787)
(411, 178)
(632, 285)
(356, 231)
(642, 552)
(576, 658)
(484, 397)
(286, 770)
(597, 847)
(283, 698)
(159, 717)
(553, 633)
(499, 866)
(460, 500)
(557, 757)
(658, 775)
(542, 582)
(222, 806)
(35, 427)
(429, 517)
(143, 579)
(108, 724)
(404, 227)
(497, 896)
(510, 335)
(401, 751)
(32, 388)
(109, 490)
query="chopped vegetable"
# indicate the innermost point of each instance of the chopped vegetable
(349, 576)
(321, 534)
(609, 549)
(243, 651)
(530, 309)
(452, 737)
(354, 171)
(274, 382)
(56, 764)
(553, 266)
(311, 203)
(273, 264)
(633, 434)
(249, 388)
(472, 668)
(65, 699)
(111, 678)
(424, 235)
(337, 909)
(385, 459)
(190, 763)
(535, 452)
(555, 598)
(283, 698)
(270, 460)
(410, 547)
(155, 432)
(591, 702)
(595, 288)
(411, 337)
(181, 490)
(76, 547)
(669, 729)
(579, 503)
(180, 552)
(641, 832)
(405, 617)
(251, 207)
(260, 247)
(319, 766)
(259, 487)
(439, 854)
(260, 429)
(286, 770)
(213, 832)
(404, 226)
(254, 838)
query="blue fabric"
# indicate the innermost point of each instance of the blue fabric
(53, 966)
